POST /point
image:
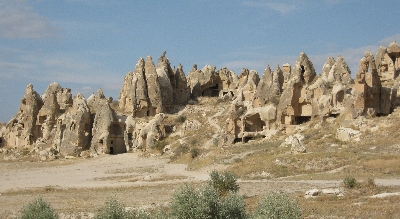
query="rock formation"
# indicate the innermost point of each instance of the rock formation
(22, 129)
(74, 128)
(279, 101)
(133, 98)
(181, 92)
(203, 82)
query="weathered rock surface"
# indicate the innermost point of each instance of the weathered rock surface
(348, 134)
(278, 102)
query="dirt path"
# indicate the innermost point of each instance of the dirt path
(105, 171)
(82, 185)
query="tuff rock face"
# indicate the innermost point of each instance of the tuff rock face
(203, 82)
(22, 128)
(278, 101)
(133, 98)
(74, 128)
(181, 92)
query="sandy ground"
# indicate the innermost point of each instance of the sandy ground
(84, 184)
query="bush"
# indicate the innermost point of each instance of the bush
(215, 141)
(190, 203)
(223, 183)
(350, 182)
(180, 119)
(277, 205)
(112, 210)
(38, 209)
(233, 207)
(194, 152)
(160, 145)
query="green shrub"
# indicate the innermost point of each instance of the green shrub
(160, 145)
(112, 210)
(195, 152)
(215, 141)
(223, 183)
(350, 182)
(38, 209)
(277, 205)
(191, 203)
(232, 206)
(180, 119)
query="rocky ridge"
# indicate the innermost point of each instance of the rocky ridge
(277, 102)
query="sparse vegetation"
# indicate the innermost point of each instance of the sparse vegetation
(112, 209)
(350, 182)
(160, 145)
(38, 209)
(215, 141)
(195, 152)
(180, 119)
(223, 183)
(277, 205)
(206, 202)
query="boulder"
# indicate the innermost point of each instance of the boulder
(348, 134)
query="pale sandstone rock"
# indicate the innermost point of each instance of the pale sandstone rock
(164, 72)
(203, 82)
(133, 98)
(22, 129)
(74, 128)
(348, 134)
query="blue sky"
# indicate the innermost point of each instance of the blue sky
(90, 44)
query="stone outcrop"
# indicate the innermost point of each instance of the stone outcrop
(22, 129)
(228, 82)
(164, 72)
(103, 121)
(181, 91)
(348, 134)
(133, 98)
(278, 101)
(74, 128)
(144, 135)
(371, 98)
(153, 87)
(269, 88)
(388, 62)
(295, 103)
(203, 82)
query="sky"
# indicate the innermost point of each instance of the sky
(85, 45)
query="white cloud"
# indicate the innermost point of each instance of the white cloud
(281, 7)
(18, 20)
(388, 40)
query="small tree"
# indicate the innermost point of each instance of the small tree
(190, 203)
(277, 205)
(38, 209)
(223, 183)
(112, 210)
